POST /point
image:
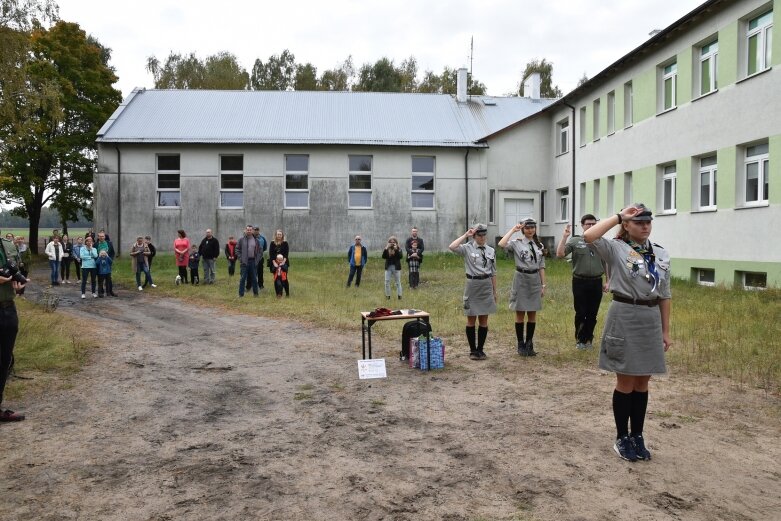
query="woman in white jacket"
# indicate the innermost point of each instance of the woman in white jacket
(55, 252)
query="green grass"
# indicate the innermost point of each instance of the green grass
(717, 331)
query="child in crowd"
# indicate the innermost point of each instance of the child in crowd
(103, 263)
(230, 253)
(414, 258)
(280, 276)
(194, 261)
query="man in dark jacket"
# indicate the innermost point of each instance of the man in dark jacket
(356, 256)
(209, 250)
(247, 253)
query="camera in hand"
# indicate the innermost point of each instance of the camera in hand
(11, 270)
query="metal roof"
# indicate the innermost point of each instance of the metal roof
(307, 117)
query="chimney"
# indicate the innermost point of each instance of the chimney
(461, 82)
(531, 86)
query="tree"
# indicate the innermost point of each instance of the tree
(222, 71)
(447, 83)
(218, 71)
(339, 78)
(382, 76)
(51, 156)
(278, 73)
(545, 68)
(582, 80)
(306, 77)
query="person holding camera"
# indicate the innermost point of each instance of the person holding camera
(11, 282)
(392, 255)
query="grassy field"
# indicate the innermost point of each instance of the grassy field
(715, 330)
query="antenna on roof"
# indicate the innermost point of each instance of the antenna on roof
(471, 57)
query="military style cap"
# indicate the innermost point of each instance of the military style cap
(481, 229)
(645, 213)
(529, 222)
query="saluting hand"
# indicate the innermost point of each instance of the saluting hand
(470, 232)
(629, 212)
(567, 230)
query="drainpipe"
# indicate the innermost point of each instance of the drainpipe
(466, 187)
(572, 213)
(118, 243)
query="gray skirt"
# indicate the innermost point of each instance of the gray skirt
(479, 297)
(525, 295)
(632, 340)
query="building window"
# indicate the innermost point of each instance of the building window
(297, 181)
(232, 181)
(563, 195)
(669, 175)
(707, 179)
(360, 184)
(628, 104)
(704, 276)
(597, 186)
(611, 186)
(582, 126)
(582, 201)
(611, 112)
(708, 70)
(596, 119)
(543, 201)
(491, 205)
(752, 280)
(562, 128)
(668, 87)
(760, 42)
(423, 182)
(628, 197)
(168, 181)
(757, 170)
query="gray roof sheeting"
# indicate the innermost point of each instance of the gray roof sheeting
(371, 118)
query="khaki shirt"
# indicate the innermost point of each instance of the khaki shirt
(584, 262)
(627, 269)
(474, 263)
(528, 256)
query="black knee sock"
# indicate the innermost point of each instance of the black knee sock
(622, 406)
(470, 337)
(530, 331)
(482, 332)
(519, 332)
(637, 411)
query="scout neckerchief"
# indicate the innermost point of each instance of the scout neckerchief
(485, 259)
(531, 249)
(650, 262)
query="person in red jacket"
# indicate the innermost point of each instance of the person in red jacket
(230, 254)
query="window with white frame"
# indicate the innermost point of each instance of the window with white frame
(297, 181)
(562, 130)
(705, 276)
(543, 204)
(611, 112)
(168, 181)
(628, 104)
(708, 70)
(360, 182)
(582, 126)
(669, 85)
(597, 187)
(611, 187)
(628, 195)
(491, 205)
(596, 119)
(753, 280)
(232, 181)
(563, 196)
(582, 201)
(423, 182)
(759, 43)
(669, 175)
(707, 183)
(756, 172)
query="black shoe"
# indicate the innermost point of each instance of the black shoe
(521, 349)
(474, 355)
(530, 349)
(100, 295)
(399, 297)
(625, 449)
(10, 416)
(640, 450)
(481, 355)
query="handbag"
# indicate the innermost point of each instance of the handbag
(419, 353)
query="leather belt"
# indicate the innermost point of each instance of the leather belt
(635, 302)
(598, 277)
(521, 270)
(477, 277)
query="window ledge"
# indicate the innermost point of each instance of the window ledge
(296, 208)
(628, 126)
(763, 71)
(360, 208)
(168, 207)
(666, 111)
(595, 140)
(667, 213)
(704, 210)
(562, 154)
(610, 133)
(714, 91)
(583, 145)
(231, 208)
(763, 204)
(423, 209)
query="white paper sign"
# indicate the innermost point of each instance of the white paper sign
(374, 368)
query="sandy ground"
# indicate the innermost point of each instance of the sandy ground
(188, 413)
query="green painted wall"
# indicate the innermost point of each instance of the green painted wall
(683, 185)
(726, 178)
(725, 271)
(728, 54)
(775, 57)
(645, 95)
(620, 107)
(589, 122)
(644, 186)
(775, 169)
(589, 206)
(618, 195)
(685, 77)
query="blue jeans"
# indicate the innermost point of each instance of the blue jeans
(249, 270)
(55, 266)
(392, 273)
(143, 268)
(355, 271)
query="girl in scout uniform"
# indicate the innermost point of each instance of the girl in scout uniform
(528, 281)
(480, 290)
(637, 329)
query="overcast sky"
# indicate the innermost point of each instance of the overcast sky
(578, 36)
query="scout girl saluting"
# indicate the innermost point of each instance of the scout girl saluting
(637, 329)
(480, 290)
(528, 281)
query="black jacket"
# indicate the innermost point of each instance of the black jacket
(392, 259)
(209, 248)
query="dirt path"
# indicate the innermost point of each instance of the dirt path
(188, 413)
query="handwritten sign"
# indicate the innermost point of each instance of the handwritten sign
(373, 368)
